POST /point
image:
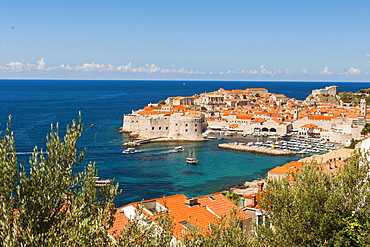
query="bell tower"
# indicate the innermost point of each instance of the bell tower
(295, 116)
(363, 107)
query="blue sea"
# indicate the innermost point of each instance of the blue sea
(155, 170)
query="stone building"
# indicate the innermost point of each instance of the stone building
(175, 126)
(332, 90)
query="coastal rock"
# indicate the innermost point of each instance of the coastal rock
(246, 188)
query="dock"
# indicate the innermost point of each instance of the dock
(141, 141)
(255, 149)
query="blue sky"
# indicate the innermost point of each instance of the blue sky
(227, 40)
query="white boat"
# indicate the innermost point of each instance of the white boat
(179, 149)
(101, 182)
(129, 151)
(191, 160)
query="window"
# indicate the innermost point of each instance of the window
(154, 207)
(195, 130)
(152, 128)
(211, 198)
(188, 226)
(160, 128)
(166, 128)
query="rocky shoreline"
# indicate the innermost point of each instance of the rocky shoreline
(246, 188)
(254, 149)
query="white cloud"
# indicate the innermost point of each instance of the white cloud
(326, 71)
(152, 69)
(353, 71)
(41, 64)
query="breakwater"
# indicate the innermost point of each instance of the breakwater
(255, 149)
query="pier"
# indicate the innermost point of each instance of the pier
(142, 141)
(255, 149)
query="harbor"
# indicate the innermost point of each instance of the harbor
(288, 146)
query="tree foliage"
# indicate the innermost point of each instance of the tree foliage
(354, 98)
(366, 129)
(318, 209)
(46, 202)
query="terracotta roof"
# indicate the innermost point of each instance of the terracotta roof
(310, 125)
(277, 120)
(288, 168)
(320, 117)
(220, 205)
(216, 119)
(244, 116)
(120, 220)
(258, 120)
(208, 209)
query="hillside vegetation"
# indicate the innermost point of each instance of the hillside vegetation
(354, 98)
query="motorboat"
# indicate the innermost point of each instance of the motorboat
(179, 149)
(101, 182)
(191, 160)
(129, 151)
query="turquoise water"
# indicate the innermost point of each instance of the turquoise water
(155, 170)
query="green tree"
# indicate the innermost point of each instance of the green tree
(366, 129)
(366, 91)
(318, 209)
(353, 143)
(51, 204)
(161, 102)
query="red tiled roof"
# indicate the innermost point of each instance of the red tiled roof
(206, 211)
(244, 116)
(288, 168)
(258, 120)
(120, 220)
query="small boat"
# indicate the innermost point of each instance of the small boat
(179, 149)
(191, 160)
(129, 151)
(101, 182)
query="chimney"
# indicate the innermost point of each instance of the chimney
(260, 186)
(191, 202)
(254, 201)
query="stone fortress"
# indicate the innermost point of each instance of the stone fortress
(248, 111)
(332, 90)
